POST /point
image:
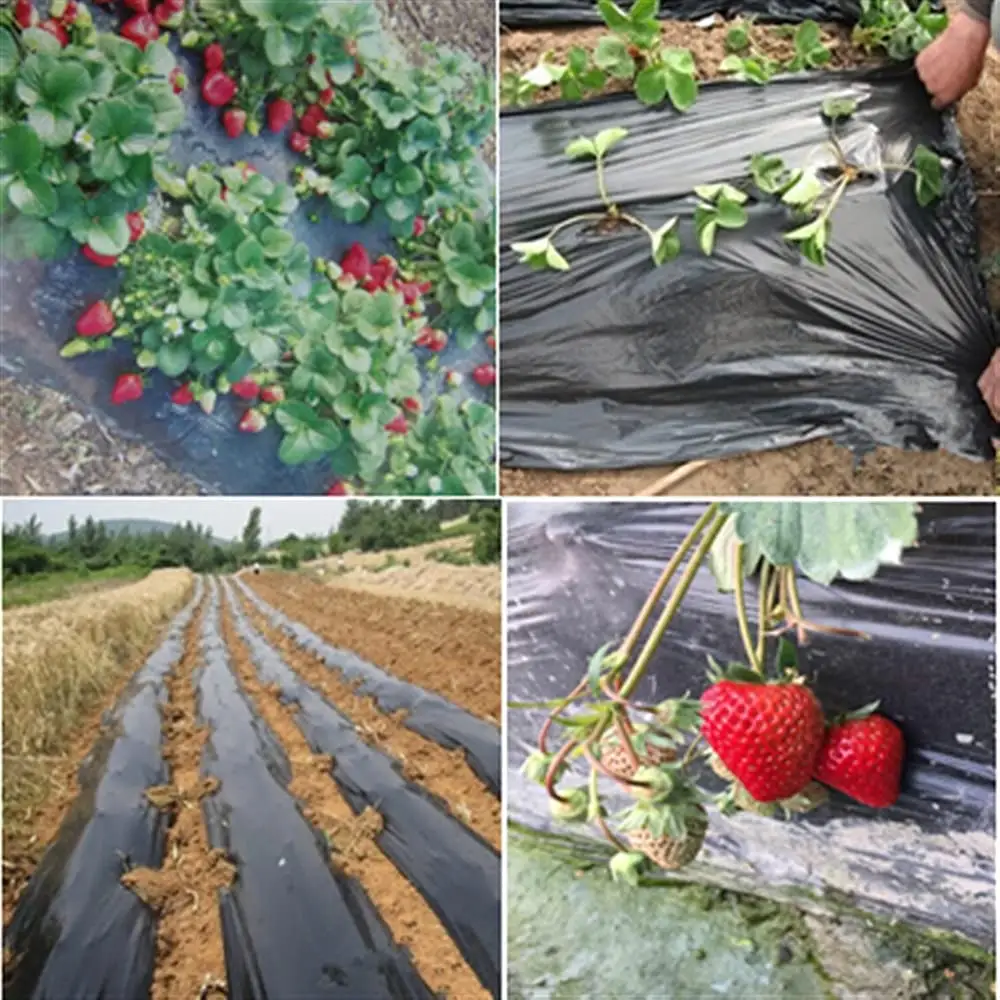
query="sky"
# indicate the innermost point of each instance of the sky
(226, 517)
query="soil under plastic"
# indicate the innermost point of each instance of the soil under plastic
(816, 467)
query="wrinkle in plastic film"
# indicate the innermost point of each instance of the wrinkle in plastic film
(618, 363)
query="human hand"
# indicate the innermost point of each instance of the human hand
(989, 385)
(953, 63)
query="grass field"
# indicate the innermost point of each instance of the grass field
(22, 592)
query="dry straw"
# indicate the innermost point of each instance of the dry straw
(61, 660)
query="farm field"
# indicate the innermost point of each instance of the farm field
(271, 807)
(820, 466)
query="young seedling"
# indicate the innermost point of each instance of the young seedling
(814, 193)
(633, 51)
(542, 253)
(748, 62)
(892, 27)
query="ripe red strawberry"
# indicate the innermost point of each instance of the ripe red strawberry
(299, 142)
(388, 265)
(218, 89)
(279, 113)
(25, 14)
(71, 13)
(101, 260)
(234, 121)
(485, 375)
(182, 396)
(246, 388)
(214, 57)
(253, 422)
(863, 758)
(325, 97)
(491, 342)
(419, 226)
(178, 80)
(397, 425)
(338, 489)
(768, 735)
(141, 30)
(139, 6)
(96, 321)
(163, 14)
(136, 226)
(412, 404)
(56, 30)
(411, 292)
(127, 389)
(309, 122)
(433, 340)
(175, 5)
(272, 394)
(356, 262)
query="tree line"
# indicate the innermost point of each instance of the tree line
(368, 526)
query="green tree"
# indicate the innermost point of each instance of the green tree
(251, 534)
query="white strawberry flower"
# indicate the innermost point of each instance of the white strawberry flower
(412, 472)
(435, 484)
(84, 140)
(173, 327)
(198, 325)
(171, 310)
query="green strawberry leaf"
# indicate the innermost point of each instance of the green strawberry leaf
(826, 539)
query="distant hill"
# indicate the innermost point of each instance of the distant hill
(136, 526)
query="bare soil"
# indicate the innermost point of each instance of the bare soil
(818, 468)
(352, 844)
(416, 573)
(454, 652)
(184, 892)
(442, 772)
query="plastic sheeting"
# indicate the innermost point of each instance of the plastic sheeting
(76, 931)
(42, 301)
(578, 575)
(618, 363)
(428, 714)
(292, 926)
(456, 872)
(553, 13)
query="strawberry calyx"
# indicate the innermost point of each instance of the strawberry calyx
(859, 713)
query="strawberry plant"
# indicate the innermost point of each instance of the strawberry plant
(633, 51)
(400, 139)
(84, 127)
(746, 60)
(456, 254)
(813, 193)
(893, 27)
(758, 727)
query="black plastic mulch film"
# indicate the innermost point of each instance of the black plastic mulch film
(292, 925)
(563, 13)
(618, 363)
(428, 714)
(578, 575)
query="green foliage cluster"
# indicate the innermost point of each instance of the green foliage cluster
(91, 547)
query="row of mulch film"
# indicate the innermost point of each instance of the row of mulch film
(620, 364)
(235, 835)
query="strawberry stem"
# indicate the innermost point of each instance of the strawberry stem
(626, 649)
(678, 595)
(557, 762)
(547, 725)
(741, 611)
(767, 594)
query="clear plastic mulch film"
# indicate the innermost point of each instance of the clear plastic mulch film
(562, 13)
(578, 575)
(76, 930)
(619, 363)
(42, 301)
(430, 715)
(456, 872)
